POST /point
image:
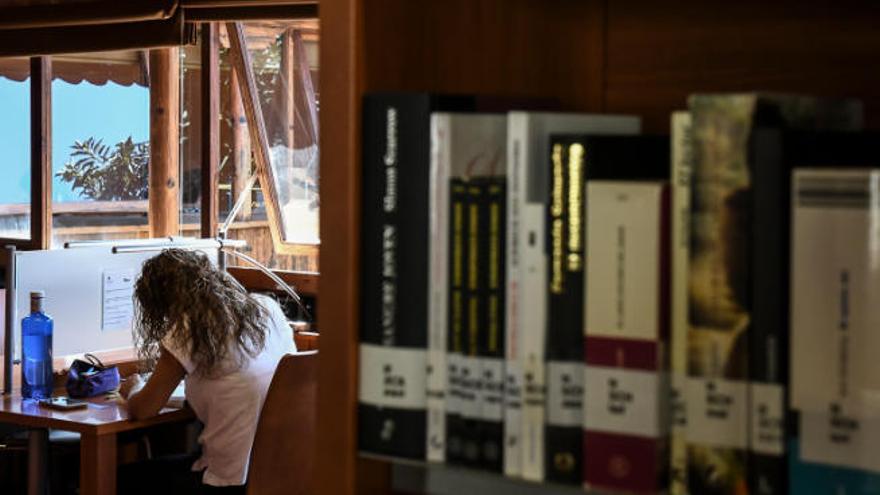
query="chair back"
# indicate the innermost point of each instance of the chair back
(282, 457)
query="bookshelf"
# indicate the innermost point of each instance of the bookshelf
(635, 56)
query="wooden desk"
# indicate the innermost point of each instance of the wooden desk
(97, 425)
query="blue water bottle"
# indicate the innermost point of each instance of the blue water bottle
(36, 351)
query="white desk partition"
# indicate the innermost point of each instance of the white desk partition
(86, 289)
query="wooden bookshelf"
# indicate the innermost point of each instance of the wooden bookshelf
(634, 56)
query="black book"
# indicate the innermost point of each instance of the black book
(491, 338)
(775, 154)
(457, 334)
(394, 276)
(575, 159)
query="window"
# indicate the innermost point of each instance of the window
(15, 160)
(283, 57)
(100, 146)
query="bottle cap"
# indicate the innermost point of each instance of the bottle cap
(37, 294)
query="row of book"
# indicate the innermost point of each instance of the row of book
(558, 297)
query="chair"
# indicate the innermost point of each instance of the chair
(282, 455)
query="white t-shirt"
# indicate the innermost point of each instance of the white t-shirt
(229, 406)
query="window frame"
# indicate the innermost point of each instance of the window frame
(41, 139)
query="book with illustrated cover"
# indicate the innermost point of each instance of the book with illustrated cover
(680, 201)
(723, 390)
(625, 403)
(462, 145)
(394, 253)
(528, 140)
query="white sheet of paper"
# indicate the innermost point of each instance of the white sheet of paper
(117, 307)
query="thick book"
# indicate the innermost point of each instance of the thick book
(528, 138)
(462, 145)
(834, 316)
(680, 204)
(627, 301)
(719, 397)
(575, 159)
(394, 274)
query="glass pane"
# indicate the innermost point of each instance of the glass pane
(15, 161)
(100, 146)
(190, 141)
(284, 56)
(237, 167)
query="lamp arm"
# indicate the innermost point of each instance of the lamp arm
(269, 273)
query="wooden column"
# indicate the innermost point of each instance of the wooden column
(41, 152)
(210, 128)
(241, 144)
(288, 92)
(164, 193)
(338, 470)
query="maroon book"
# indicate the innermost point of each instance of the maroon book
(625, 416)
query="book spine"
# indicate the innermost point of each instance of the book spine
(625, 404)
(833, 282)
(533, 294)
(393, 337)
(680, 220)
(768, 339)
(456, 319)
(492, 343)
(513, 367)
(565, 368)
(474, 317)
(719, 298)
(438, 289)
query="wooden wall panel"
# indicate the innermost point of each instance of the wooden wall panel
(658, 53)
(499, 47)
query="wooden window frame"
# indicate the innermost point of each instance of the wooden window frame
(241, 62)
(41, 118)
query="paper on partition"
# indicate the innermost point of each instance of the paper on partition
(117, 305)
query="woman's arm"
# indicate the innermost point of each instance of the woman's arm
(154, 395)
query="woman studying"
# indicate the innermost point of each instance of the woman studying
(194, 323)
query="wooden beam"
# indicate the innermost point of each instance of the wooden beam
(210, 129)
(41, 152)
(164, 192)
(79, 39)
(252, 12)
(241, 60)
(241, 145)
(288, 93)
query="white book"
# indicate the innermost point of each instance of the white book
(461, 144)
(528, 141)
(835, 285)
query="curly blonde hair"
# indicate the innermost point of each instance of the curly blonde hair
(182, 297)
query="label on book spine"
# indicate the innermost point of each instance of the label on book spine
(512, 418)
(565, 393)
(493, 388)
(436, 398)
(623, 401)
(766, 418)
(392, 376)
(840, 437)
(717, 412)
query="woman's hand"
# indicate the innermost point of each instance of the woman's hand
(131, 385)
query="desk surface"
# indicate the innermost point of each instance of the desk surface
(101, 417)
